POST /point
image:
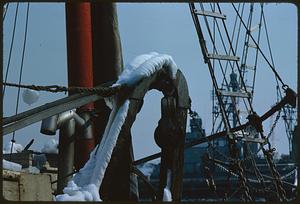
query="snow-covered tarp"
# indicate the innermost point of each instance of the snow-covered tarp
(85, 185)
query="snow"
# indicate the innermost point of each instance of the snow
(11, 165)
(50, 147)
(147, 169)
(16, 148)
(94, 169)
(86, 183)
(144, 66)
(30, 96)
(167, 190)
(32, 170)
(75, 193)
(296, 177)
(167, 195)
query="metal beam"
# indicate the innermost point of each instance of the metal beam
(235, 93)
(209, 13)
(136, 171)
(49, 109)
(22, 115)
(217, 135)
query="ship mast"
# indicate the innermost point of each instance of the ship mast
(94, 58)
(79, 56)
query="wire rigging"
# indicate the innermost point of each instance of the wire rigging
(284, 86)
(21, 71)
(11, 47)
(286, 112)
(256, 53)
(5, 12)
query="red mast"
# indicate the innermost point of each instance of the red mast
(80, 70)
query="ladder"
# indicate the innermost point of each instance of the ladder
(233, 91)
(248, 65)
(213, 57)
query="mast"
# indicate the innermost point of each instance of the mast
(119, 184)
(80, 71)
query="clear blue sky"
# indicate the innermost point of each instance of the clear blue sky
(165, 28)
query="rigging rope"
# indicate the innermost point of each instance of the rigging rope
(232, 142)
(233, 52)
(21, 72)
(285, 112)
(11, 47)
(224, 81)
(268, 156)
(284, 86)
(256, 53)
(268, 153)
(5, 12)
(101, 90)
(206, 60)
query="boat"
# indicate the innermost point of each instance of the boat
(234, 161)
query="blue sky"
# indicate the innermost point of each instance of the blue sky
(144, 27)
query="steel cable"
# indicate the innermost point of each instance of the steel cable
(5, 12)
(21, 72)
(11, 47)
(284, 86)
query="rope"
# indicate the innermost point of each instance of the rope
(206, 60)
(286, 123)
(232, 142)
(232, 36)
(274, 124)
(271, 130)
(21, 72)
(256, 53)
(11, 47)
(5, 12)
(101, 90)
(284, 86)
(233, 52)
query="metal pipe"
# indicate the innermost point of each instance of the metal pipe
(79, 120)
(37, 114)
(84, 138)
(49, 125)
(67, 103)
(64, 117)
(66, 152)
(55, 122)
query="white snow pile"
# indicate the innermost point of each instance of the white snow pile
(16, 148)
(144, 66)
(147, 169)
(11, 165)
(86, 183)
(50, 147)
(32, 170)
(74, 193)
(167, 190)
